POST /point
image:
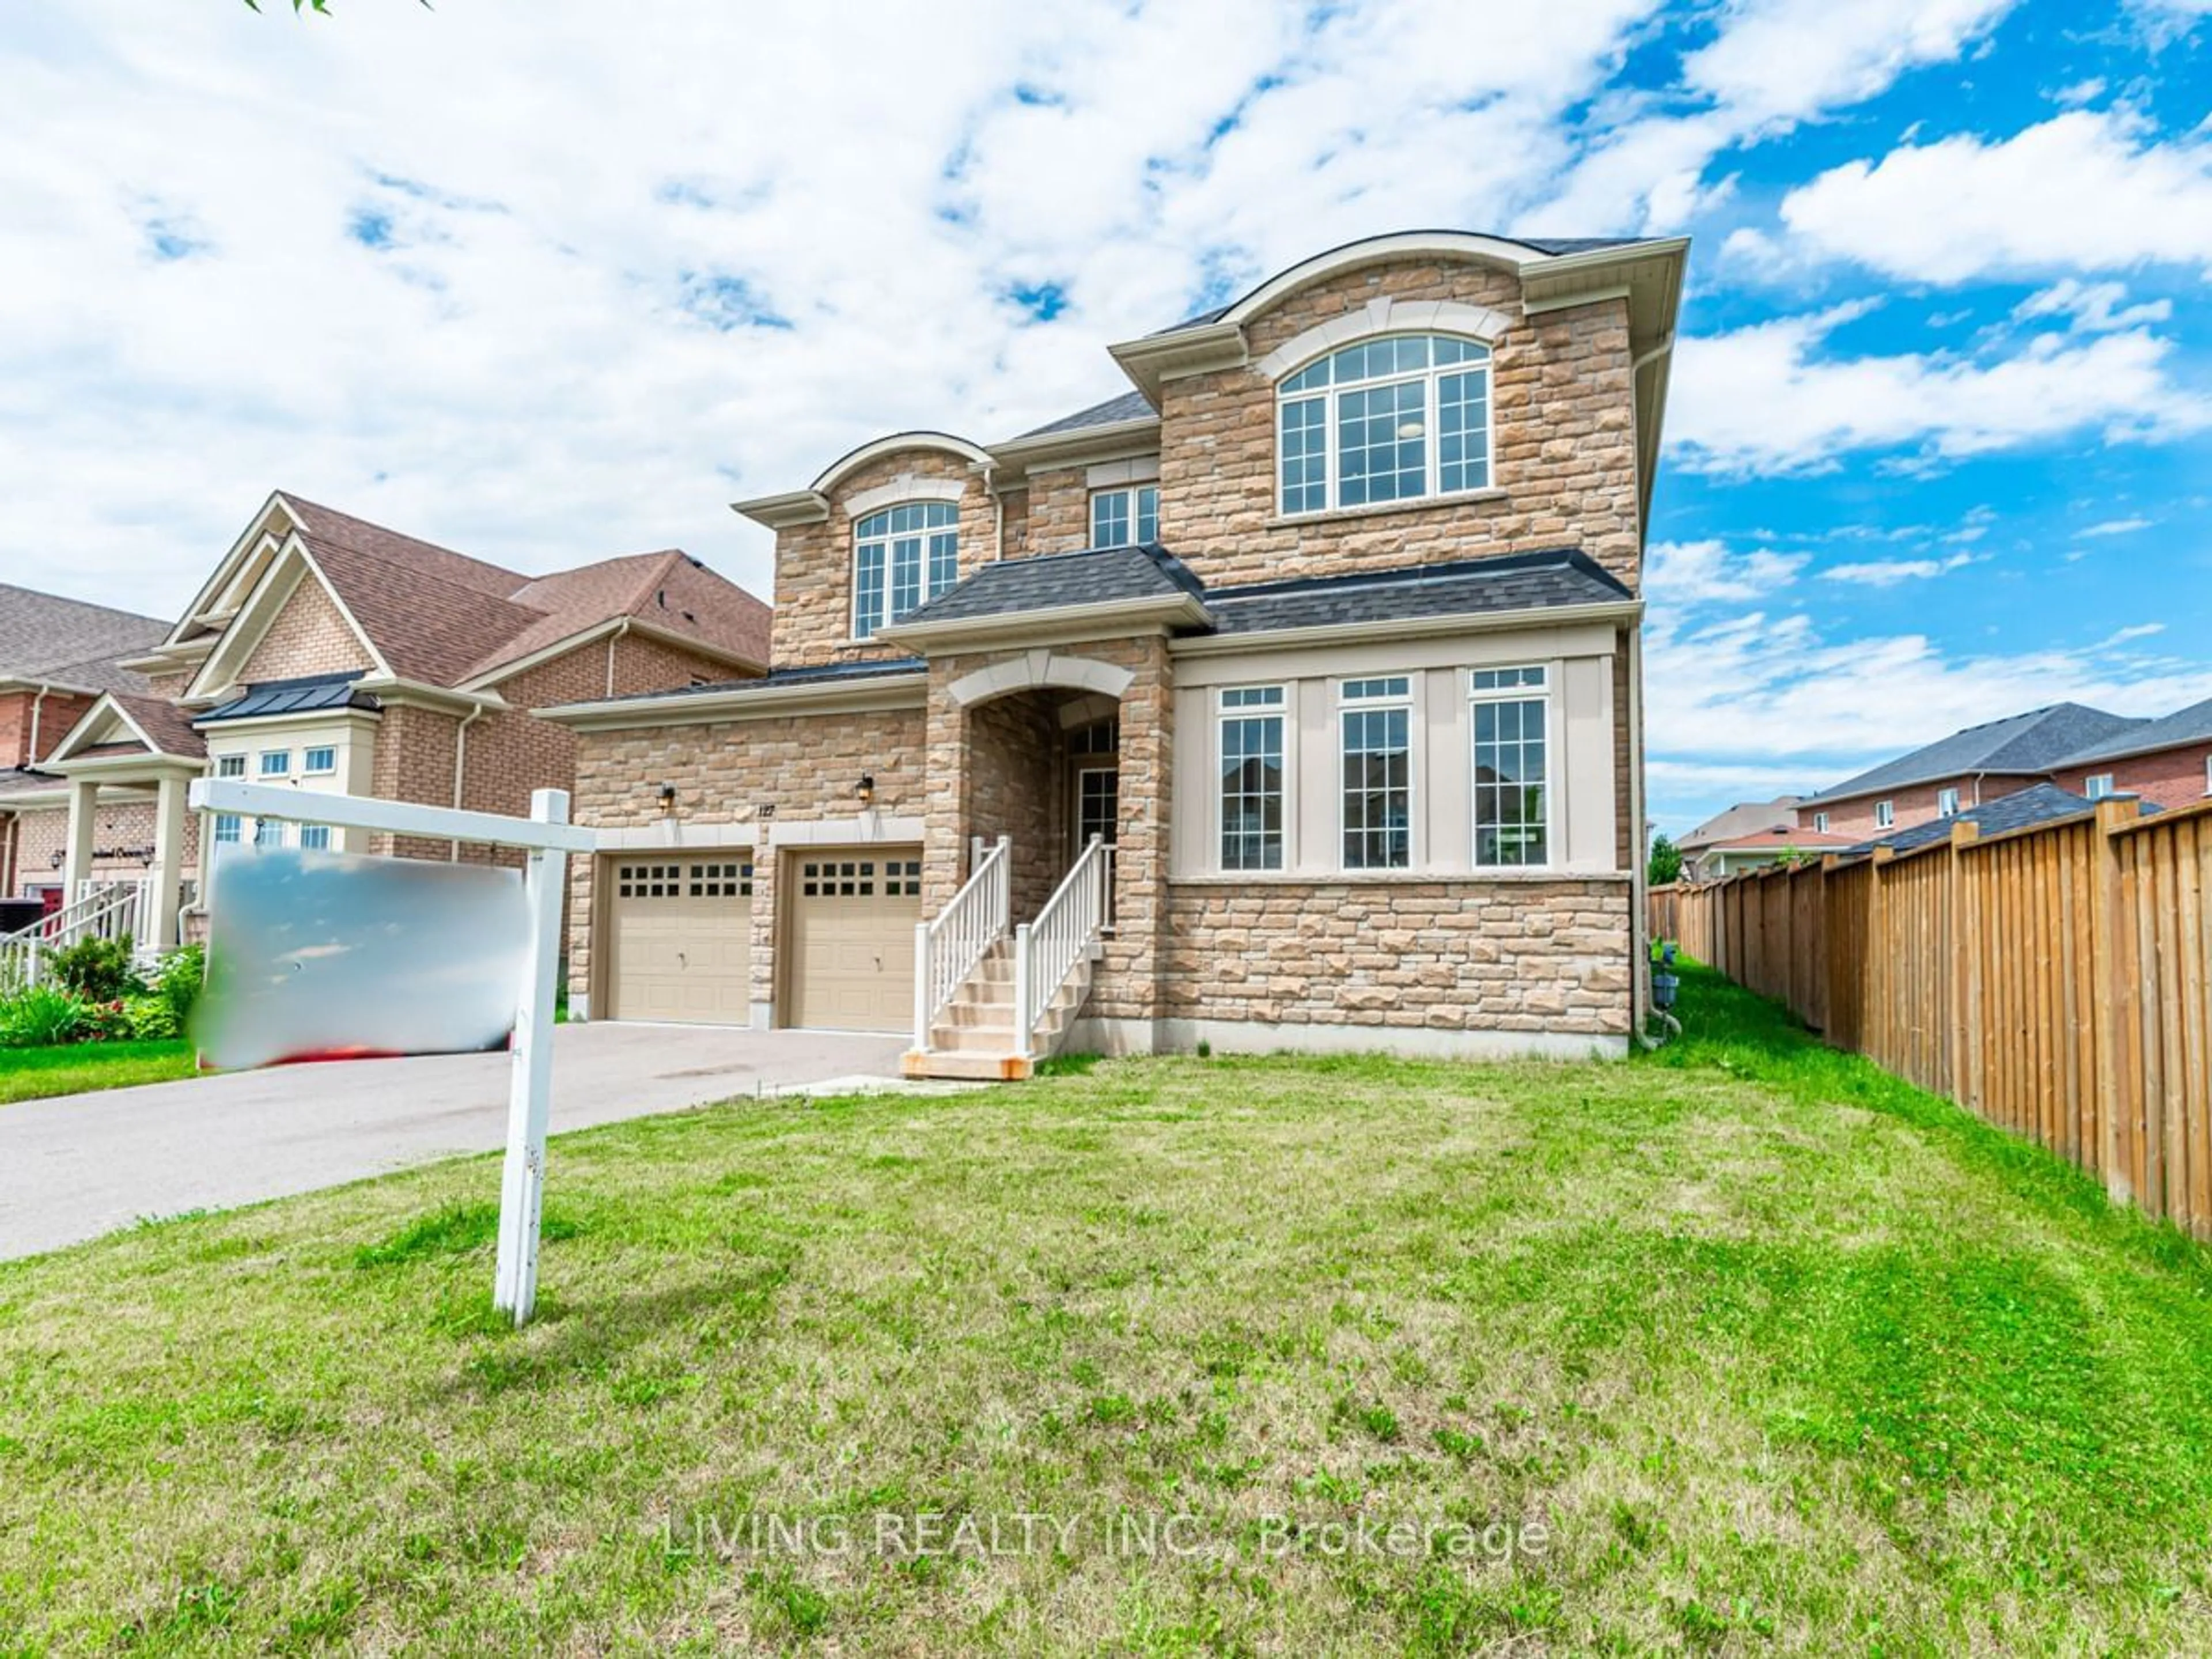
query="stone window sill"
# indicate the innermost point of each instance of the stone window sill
(1397, 877)
(1384, 510)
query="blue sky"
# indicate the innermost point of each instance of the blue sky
(548, 282)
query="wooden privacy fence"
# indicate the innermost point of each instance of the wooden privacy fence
(2056, 980)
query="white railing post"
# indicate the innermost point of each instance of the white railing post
(922, 989)
(1022, 969)
(530, 1086)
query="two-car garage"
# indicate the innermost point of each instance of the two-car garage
(678, 932)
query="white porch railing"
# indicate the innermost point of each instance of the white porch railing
(1047, 951)
(103, 909)
(946, 951)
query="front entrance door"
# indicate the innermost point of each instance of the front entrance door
(1098, 804)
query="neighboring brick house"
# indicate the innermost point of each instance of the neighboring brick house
(1952, 775)
(2167, 762)
(1330, 629)
(1717, 861)
(1745, 819)
(57, 657)
(333, 654)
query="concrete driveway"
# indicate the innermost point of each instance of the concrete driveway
(77, 1166)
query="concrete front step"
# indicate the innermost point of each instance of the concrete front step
(988, 1068)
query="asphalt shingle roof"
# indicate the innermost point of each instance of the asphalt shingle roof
(1103, 575)
(1520, 581)
(304, 695)
(2040, 803)
(442, 617)
(1130, 406)
(44, 636)
(2185, 725)
(2019, 746)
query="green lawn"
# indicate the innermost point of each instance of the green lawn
(70, 1068)
(1741, 1347)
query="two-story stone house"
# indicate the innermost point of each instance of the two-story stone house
(325, 653)
(1327, 633)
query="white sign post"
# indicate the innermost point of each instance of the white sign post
(548, 837)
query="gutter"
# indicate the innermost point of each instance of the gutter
(898, 691)
(1624, 612)
(1020, 625)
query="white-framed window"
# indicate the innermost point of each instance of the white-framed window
(2208, 775)
(2099, 786)
(319, 762)
(1250, 722)
(230, 766)
(1127, 517)
(228, 829)
(1947, 803)
(1392, 419)
(1820, 822)
(276, 762)
(1885, 814)
(1511, 709)
(268, 832)
(902, 558)
(1375, 742)
(315, 836)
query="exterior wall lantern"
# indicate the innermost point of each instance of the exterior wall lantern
(866, 793)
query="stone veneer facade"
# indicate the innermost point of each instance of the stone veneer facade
(1460, 961)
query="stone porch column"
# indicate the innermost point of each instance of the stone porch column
(83, 833)
(168, 871)
(944, 790)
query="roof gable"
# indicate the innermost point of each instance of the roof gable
(2184, 728)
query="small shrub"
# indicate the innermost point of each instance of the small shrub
(96, 970)
(40, 1017)
(177, 982)
(105, 1022)
(152, 1017)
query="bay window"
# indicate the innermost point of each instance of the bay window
(1395, 419)
(1376, 734)
(1512, 721)
(1251, 725)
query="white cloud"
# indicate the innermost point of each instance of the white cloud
(1773, 65)
(2111, 527)
(2093, 308)
(1761, 399)
(1779, 699)
(2084, 190)
(1708, 572)
(1889, 572)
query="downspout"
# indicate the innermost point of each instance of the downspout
(461, 771)
(998, 513)
(620, 629)
(38, 705)
(1639, 966)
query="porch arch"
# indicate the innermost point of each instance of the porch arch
(1039, 668)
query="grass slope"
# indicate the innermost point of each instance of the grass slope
(1779, 1354)
(71, 1068)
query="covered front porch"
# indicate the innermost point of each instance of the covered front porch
(1043, 863)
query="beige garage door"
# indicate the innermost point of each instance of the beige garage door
(852, 913)
(679, 939)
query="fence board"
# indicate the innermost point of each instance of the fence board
(2056, 982)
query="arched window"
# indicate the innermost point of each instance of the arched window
(902, 558)
(1388, 419)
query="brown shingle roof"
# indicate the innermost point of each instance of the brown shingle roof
(441, 616)
(170, 727)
